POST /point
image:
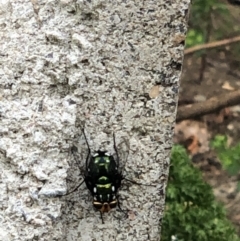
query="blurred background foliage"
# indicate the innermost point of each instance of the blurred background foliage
(191, 212)
(210, 20)
(228, 155)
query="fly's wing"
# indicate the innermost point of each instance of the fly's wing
(81, 152)
(121, 148)
(78, 155)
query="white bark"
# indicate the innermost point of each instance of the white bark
(112, 65)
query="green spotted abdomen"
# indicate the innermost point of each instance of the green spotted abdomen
(105, 189)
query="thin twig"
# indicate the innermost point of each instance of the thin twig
(212, 45)
(209, 106)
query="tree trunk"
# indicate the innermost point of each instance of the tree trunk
(105, 66)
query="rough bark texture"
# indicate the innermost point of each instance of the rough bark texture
(112, 66)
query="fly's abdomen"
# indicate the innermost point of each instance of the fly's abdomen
(104, 195)
(105, 190)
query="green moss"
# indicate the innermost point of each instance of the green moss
(229, 156)
(192, 214)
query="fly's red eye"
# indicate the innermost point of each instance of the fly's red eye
(97, 205)
(113, 204)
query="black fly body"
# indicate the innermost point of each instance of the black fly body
(103, 177)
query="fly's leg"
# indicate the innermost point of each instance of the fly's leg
(75, 189)
(137, 183)
(101, 215)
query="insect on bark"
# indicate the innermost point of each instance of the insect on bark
(103, 177)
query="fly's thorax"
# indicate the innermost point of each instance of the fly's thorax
(102, 163)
